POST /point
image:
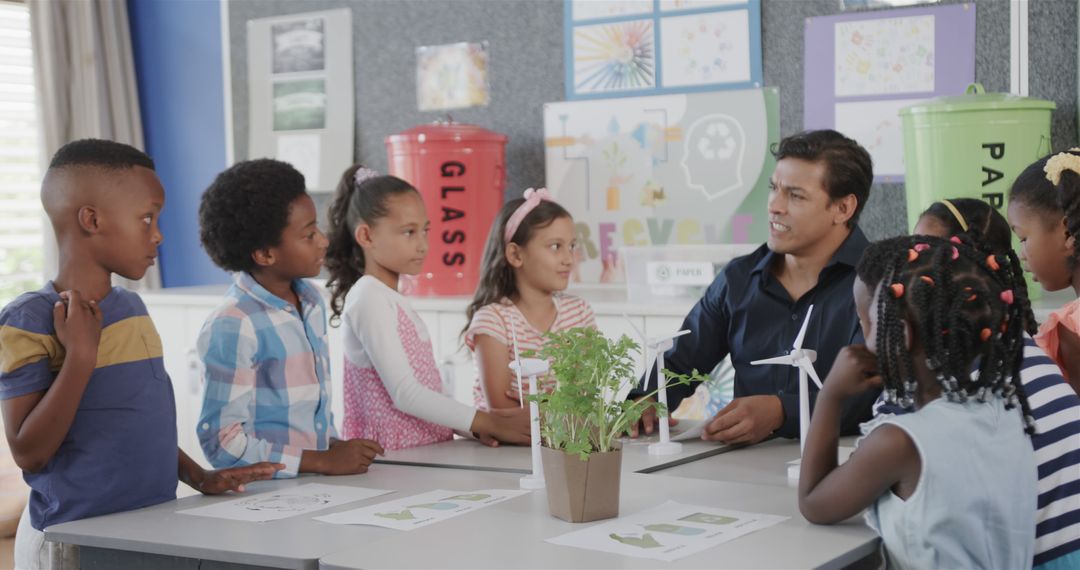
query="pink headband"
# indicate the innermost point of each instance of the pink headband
(363, 173)
(532, 200)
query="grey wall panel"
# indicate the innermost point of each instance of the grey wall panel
(526, 70)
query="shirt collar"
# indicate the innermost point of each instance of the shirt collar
(309, 297)
(849, 253)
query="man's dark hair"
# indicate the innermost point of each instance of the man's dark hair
(848, 167)
(245, 209)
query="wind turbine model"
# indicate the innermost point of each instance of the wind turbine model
(533, 368)
(803, 359)
(659, 345)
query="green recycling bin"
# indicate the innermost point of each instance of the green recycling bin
(972, 145)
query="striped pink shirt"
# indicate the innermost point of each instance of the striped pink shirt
(494, 320)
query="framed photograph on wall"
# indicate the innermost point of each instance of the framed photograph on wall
(300, 78)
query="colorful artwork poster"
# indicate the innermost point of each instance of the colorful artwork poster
(582, 10)
(673, 5)
(702, 49)
(624, 49)
(661, 170)
(614, 57)
(891, 55)
(452, 76)
(298, 46)
(863, 68)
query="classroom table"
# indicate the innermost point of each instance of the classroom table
(159, 537)
(472, 455)
(764, 463)
(512, 534)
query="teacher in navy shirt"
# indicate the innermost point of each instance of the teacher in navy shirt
(757, 304)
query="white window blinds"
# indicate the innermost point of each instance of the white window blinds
(21, 216)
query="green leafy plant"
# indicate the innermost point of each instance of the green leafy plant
(581, 415)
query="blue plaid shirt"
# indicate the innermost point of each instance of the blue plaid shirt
(267, 376)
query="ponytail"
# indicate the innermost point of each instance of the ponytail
(353, 203)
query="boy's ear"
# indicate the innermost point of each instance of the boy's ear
(1070, 240)
(362, 235)
(263, 257)
(513, 255)
(88, 219)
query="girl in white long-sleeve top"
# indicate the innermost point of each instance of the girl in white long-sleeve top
(392, 386)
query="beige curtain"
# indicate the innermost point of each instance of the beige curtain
(85, 78)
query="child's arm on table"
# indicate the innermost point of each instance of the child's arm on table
(222, 480)
(393, 363)
(345, 457)
(829, 493)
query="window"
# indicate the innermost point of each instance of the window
(21, 219)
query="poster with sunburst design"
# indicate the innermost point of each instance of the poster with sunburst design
(614, 57)
(625, 48)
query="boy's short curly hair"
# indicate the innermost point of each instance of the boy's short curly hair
(245, 209)
(100, 153)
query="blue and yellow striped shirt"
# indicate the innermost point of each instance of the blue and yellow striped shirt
(121, 452)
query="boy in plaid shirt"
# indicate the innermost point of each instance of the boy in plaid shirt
(267, 365)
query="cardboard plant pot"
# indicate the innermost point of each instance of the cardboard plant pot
(582, 491)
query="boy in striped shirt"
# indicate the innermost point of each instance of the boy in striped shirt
(88, 408)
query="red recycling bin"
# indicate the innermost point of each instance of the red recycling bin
(460, 171)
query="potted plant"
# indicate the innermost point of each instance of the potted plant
(582, 419)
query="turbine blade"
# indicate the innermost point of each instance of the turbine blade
(809, 369)
(802, 331)
(786, 359)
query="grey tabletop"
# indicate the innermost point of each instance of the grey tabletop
(296, 542)
(512, 534)
(765, 463)
(471, 454)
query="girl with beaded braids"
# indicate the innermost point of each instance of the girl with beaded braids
(1044, 212)
(953, 484)
(1055, 406)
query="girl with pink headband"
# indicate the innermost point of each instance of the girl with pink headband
(527, 263)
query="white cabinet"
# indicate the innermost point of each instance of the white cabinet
(178, 326)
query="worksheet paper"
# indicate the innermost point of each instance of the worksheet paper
(285, 503)
(688, 429)
(668, 532)
(423, 509)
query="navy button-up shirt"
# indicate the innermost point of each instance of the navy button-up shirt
(747, 313)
